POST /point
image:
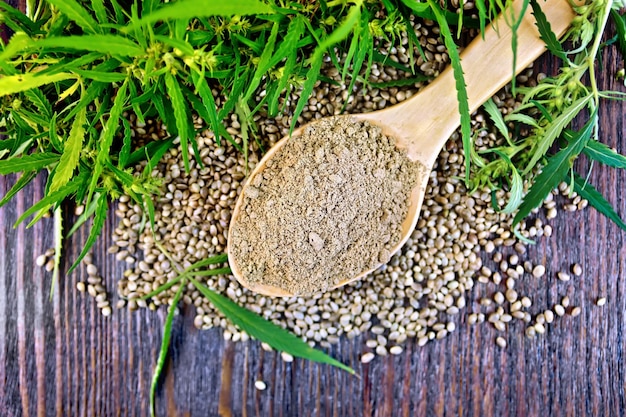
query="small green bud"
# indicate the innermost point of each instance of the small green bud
(558, 102)
(572, 85)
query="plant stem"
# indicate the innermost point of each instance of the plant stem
(604, 17)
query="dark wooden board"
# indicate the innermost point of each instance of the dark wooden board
(60, 357)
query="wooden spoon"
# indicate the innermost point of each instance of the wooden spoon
(423, 124)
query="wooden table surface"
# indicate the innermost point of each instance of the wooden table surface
(60, 357)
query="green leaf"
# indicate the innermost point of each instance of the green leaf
(169, 284)
(77, 14)
(544, 112)
(265, 331)
(289, 45)
(148, 151)
(165, 343)
(516, 192)
(515, 24)
(589, 193)
(100, 11)
(600, 152)
(191, 9)
(33, 162)
(126, 145)
(264, 59)
(24, 132)
(104, 77)
(256, 46)
(87, 213)
(120, 13)
(183, 274)
(58, 24)
(95, 90)
(235, 92)
(366, 46)
(148, 206)
(11, 14)
(496, 117)
(52, 198)
(555, 170)
(67, 64)
(354, 44)
(99, 218)
(180, 113)
(461, 91)
(620, 28)
(417, 7)
(18, 43)
(212, 272)
(482, 16)
(71, 152)
(545, 31)
(554, 130)
(122, 176)
(106, 137)
(612, 95)
(12, 84)
(153, 158)
(148, 6)
(522, 118)
(107, 44)
(24, 180)
(33, 117)
(423, 10)
(216, 259)
(40, 101)
(288, 70)
(307, 89)
(343, 30)
(52, 134)
(340, 33)
(208, 111)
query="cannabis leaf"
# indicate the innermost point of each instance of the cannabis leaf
(461, 90)
(71, 152)
(600, 152)
(555, 170)
(589, 193)
(261, 329)
(545, 31)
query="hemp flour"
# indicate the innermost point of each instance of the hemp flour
(328, 206)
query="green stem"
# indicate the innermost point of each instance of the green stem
(165, 343)
(604, 17)
(175, 265)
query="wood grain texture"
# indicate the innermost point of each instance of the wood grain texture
(60, 357)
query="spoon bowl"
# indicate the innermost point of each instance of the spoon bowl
(422, 124)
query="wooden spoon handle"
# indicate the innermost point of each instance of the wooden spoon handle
(423, 123)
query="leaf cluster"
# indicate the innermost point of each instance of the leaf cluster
(552, 110)
(73, 71)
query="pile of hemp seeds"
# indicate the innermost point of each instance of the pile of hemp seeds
(418, 295)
